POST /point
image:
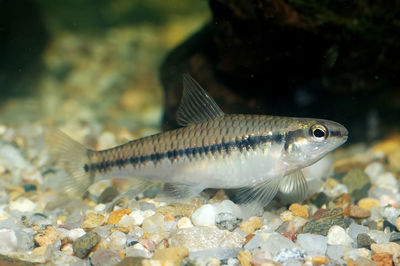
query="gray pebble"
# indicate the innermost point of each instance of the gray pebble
(83, 245)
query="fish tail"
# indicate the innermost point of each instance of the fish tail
(73, 158)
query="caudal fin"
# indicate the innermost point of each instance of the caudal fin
(71, 156)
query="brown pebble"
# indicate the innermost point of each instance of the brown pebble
(46, 237)
(389, 248)
(252, 224)
(175, 254)
(358, 212)
(299, 210)
(219, 196)
(116, 216)
(319, 260)
(93, 220)
(350, 262)
(383, 259)
(248, 238)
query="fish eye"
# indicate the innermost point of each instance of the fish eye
(319, 132)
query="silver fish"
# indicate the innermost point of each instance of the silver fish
(258, 155)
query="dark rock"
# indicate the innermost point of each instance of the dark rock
(29, 187)
(395, 237)
(320, 200)
(325, 221)
(227, 221)
(391, 226)
(364, 241)
(358, 184)
(131, 261)
(7, 261)
(372, 225)
(83, 245)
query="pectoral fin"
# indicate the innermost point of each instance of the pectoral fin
(293, 187)
(262, 193)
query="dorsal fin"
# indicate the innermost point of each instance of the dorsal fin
(196, 106)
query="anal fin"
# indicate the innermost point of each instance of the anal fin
(176, 191)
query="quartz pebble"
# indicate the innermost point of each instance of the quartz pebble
(104, 257)
(184, 222)
(294, 254)
(204, 216)
(23, 205)
(9, 242)
(203, 238)
(355, 229)
(117, 241)
(137, 216)
(276, 242)
(314, 245)
(373, 170)
(154, 223)
(338, 236)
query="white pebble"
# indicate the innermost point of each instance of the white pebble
(126, 221)
(387, 179)
(338, 236)
(23, 205)
(9, 242)
(75, 233)
(100, 207)
(184, 222)
(204, 216)
(117, 241)
(148, 213)
(227, 206)
(373, 170)
(314, 245)
(138, 217)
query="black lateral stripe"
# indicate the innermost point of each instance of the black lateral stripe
(247, 143)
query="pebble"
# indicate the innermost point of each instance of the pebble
(254, 242)
(358, 212)
(83, 245)
(338, 236)
(244, 257)
(184, 222)
(383, 259)
(227, 221)
(296, 225)
(137, 216)
(368, 203)
(23, 205)
(358, 183)
(390, 248)
(299, 210)
(252, 224)
(175, 254)
(321, 223)
(148, 244)
(355, 229)
(104, 257)
(364, 241)
(154, 223)
(294, 254)
(117, 241)
(335, 252)
(286, 216)
(260, 257)
(133, 261)
(204, 261)
(46, 237)
(9, 242)
(276, 242)
(75, 233)
(141, 252)
(387, 180)
(395, 237)
(314, 245)
(116, 216)
(228, 206)
(373, 170)
(93, 220)
(203, 238)
(204, 216)
(180, 208)
(379, 237)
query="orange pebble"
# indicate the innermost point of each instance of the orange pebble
(168, 217)
(319, 260)
(116, 216)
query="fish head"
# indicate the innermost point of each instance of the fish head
(310, 140)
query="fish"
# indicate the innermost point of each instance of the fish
(257, 156)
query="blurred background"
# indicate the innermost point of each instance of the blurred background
(116, 66)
